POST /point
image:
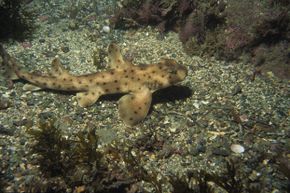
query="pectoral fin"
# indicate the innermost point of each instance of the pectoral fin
(134, 107)
(88, 98)
(31, 87)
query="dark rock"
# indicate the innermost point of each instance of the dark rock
(6, 131)
(20, 123)
(65, 49)
(41, 40)
(4, 103)
(220, 151)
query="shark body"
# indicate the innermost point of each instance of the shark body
(137, 81)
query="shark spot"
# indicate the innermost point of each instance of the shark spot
(132, 71)
(112, 73)
(71, 80)
(138, 79)
(80, 82)
(162, 75)
(107, 90)
(104, 83)
(93, 93)
(64, 79)
(103, 76)
(119, 61)
(125, 70)
(53, 84)
(91, 80)
(139, 108)
(118, 88)
(115, 81)
(135, 112)
(126, 83)
(126, 76)
(153, 72)
(131, 118)
(160, 67)
(149, 76)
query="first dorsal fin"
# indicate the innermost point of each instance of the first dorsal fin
(116, 59)
(57, 68)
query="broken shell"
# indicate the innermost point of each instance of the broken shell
(237, 148)
(106, 29)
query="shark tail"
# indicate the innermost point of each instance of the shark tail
(8, 65)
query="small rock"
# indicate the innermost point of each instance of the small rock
(73, 25)
(6, 131)
(20, 123)
(65, 49)
(4, 103)
(237, 148)
(106, 29)
(219, 151)
(237, 90)
(42, 40)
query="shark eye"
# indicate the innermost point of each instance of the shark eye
(172, 71)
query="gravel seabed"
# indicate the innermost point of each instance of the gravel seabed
(196, 122)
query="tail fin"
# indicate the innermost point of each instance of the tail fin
(8, 65)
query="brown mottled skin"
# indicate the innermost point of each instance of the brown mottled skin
(123, 77)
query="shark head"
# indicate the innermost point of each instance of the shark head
(173, 72)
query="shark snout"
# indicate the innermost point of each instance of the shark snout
(181, 72)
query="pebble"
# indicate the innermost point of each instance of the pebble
(6, 131)
(236, 148)
(106, 29)
(4, 103)
(220, 151)
(65, 49)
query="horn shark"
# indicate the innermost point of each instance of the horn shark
(138, 82)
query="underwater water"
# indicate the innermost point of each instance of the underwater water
(144, 96)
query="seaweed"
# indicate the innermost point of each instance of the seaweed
(71, 162)
(2, 184)
(164, 14)
(49, 145)
(16, 21)
(228, 30)
(199, 181)
(135, 169)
